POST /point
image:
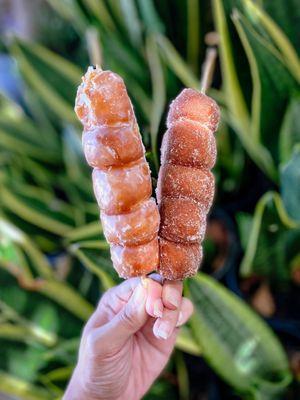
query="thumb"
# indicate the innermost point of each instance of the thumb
(128, 321)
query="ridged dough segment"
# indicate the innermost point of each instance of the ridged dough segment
(135, 260)
(179, 260)
(136, 227)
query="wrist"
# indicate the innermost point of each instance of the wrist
(76, 390)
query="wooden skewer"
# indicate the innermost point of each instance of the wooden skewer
(94, 47)
(208, 69)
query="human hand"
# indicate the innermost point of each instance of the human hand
(128, 340)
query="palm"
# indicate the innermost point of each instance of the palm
(138, 361)
(145, 356)
(122, 351)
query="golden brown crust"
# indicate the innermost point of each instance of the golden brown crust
(185, 188)
(121, 176)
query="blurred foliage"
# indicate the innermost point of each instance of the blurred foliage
(53, 256)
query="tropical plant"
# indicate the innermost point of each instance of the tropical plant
(54, 261)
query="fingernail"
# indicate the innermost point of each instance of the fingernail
(173, 300)
(180, 319)
(139, 296)
(158, 308)
(163, 331)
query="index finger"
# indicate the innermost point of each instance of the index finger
(172, 294)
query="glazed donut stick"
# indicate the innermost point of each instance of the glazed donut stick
(121, 176)
(185, 187)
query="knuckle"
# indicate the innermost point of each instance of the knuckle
(128, 318)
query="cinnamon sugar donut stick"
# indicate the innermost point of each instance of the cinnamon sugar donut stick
(121, 176)
(185, 187)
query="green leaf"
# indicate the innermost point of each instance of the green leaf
(290, 185)
(288, 52)
(13, 234)
(193, 33)
(182, 375)
(158, 94)
(39, 72)
(235, 99)
(276, 83)
(256, 84)
(176, 63)
(65, 295)
(34, 212)
(132, 21)
(267, 250)
(92, 261)
(14, 386)
(71, 11)
(84, 232)
(99, 9)
(150, 16)
(185, 341)
(235, 341)
(290, 131)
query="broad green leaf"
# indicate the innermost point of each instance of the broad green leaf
(290, 185)
(158, 94)
(236, 113)
(285, 13)
(14, 386)
(235, 341)
(269, 243)
(276, 84)
(290, 131)
(185, 341)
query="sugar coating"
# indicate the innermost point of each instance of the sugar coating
(185, 187)
(122, 183)
(194, 106)
(182, 220)
(136, 227)
(189, 143)
(180, 181)
(135, 260)
(107, 146)
(179, 260)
